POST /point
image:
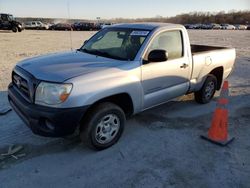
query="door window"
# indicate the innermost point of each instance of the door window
(171, 41)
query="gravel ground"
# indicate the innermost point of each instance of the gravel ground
(159, 148)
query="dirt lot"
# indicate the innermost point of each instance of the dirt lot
(160, 147)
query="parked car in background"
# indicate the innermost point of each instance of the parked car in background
(75, 25)
(84, 26)
(106, 25)
(98, 26)
(227, 26)
(50, 24)
(206, 26)
(248, 27)
(240, 27)
(187, 26)
(61, 27)
(7, 22)
(216, 26)
(36, 25)
(192, 26)
(198, 26)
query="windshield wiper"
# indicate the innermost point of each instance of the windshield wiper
(101, 53)
(85, 50)
(106, 54)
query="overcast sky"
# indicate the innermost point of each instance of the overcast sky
(90, 9)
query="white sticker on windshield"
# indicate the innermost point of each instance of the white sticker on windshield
(139, 33)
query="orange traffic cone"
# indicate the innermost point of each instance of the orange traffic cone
(218, 132)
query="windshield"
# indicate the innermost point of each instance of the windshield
(11, 17)
(116, 43)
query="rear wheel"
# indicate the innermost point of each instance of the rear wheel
(103, 126)
(206, 93)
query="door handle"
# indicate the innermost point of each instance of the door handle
(184, 65)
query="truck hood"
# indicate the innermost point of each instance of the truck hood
(63, 66)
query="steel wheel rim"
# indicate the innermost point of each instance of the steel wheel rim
(107, 128)
(209, 90)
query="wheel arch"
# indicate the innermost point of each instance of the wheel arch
(123, 100)
(218, 73)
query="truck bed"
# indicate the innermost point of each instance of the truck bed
(203, 48)
(207, 58)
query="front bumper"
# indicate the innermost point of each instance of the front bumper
(46, 121)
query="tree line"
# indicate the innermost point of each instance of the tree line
(233, 17)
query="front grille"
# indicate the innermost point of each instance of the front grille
(24, 83)
(21, 84)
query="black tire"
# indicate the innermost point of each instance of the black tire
(90, 130)
(14, 29)
(206, 93)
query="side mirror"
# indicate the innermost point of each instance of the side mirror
(158, 56)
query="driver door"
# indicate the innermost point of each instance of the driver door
(166, 80)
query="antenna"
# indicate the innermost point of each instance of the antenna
(70, 34)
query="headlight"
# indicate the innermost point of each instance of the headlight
(52, 93)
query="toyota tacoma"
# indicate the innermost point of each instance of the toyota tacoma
(122, 70)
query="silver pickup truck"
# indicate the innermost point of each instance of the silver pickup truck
(122, 70)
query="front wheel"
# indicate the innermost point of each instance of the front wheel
(103, 126)
(206, 93)
(14, 29)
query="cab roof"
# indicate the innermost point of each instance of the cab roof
(5, 14)
(146, 25)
